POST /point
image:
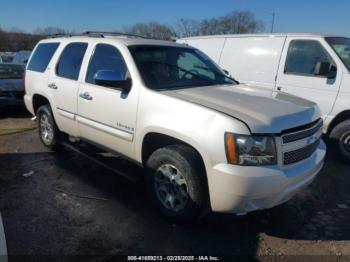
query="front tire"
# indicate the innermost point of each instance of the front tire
(47, 128)
(175, 182)
(340, 139)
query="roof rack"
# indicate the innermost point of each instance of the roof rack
(97, 34)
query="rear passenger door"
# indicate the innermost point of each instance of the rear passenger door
(107, 115)
(296, 73)
(64, 85)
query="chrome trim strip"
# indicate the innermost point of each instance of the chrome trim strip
(66, 113)
(105, 128)
(129, 136)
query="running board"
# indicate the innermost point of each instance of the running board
(115, 163)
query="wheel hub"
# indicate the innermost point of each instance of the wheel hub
(346, 141)
(171, 187)
(46, 129)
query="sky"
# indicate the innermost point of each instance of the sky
(315, 16)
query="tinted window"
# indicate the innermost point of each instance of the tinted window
(70, 60)
(42, 57)
(106, 57)
(303, 55)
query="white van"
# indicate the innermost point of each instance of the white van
(311, 66)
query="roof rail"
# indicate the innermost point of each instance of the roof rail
(97, 34)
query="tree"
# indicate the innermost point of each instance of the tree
(151, 30)
(236, 22)
(187, 28)
(47, 31)
(16, 41)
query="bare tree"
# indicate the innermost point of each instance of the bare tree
(49, 31)
(237, 22)
(151, 30)
(187, 27)
(15, 41)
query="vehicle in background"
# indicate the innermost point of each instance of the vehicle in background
(311, 66)
(21, 57)
(206, 142)
(7, 57)
(11, 86)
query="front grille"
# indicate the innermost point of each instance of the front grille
(300, 154)
(303, 133)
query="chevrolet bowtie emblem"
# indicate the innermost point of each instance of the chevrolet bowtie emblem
(311, 139)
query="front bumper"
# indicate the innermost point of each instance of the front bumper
(241, 189)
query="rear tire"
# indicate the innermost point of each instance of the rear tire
(47, 128)
(340, 140)
(175, 182)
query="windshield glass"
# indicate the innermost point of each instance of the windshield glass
(341, 46)
(21, 57)
(8, 71)
(168, 67)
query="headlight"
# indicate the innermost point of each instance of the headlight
(250, 150)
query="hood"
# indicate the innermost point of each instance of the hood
(11, 85)
(262, 110)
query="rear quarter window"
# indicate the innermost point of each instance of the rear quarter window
(70, 61)
(42, 57)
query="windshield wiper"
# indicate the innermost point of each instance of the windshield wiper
(184, 70)
(217, 73)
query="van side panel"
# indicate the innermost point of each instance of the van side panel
(253, 60)
(210, 46)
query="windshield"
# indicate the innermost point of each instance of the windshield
(8, 71)
(341, 46)
(21, 57)
(167, 67)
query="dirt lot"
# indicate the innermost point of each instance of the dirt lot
(44, 216)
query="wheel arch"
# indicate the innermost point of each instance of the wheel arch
(38, 101)
(154, 140)
(342, 116)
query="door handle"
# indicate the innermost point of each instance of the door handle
(279, 88)
(52, 86)
(85, 96)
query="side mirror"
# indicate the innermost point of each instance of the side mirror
(332, 72)
(325, 69)
(110, 78)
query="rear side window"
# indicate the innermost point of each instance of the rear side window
(70, 61)
(42, 57)
(106, 57)
(303, 55)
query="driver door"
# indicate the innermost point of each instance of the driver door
(107, 115)
(296, 73)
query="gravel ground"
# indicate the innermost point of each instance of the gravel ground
(45, 215)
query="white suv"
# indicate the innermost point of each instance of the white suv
(204, 139)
